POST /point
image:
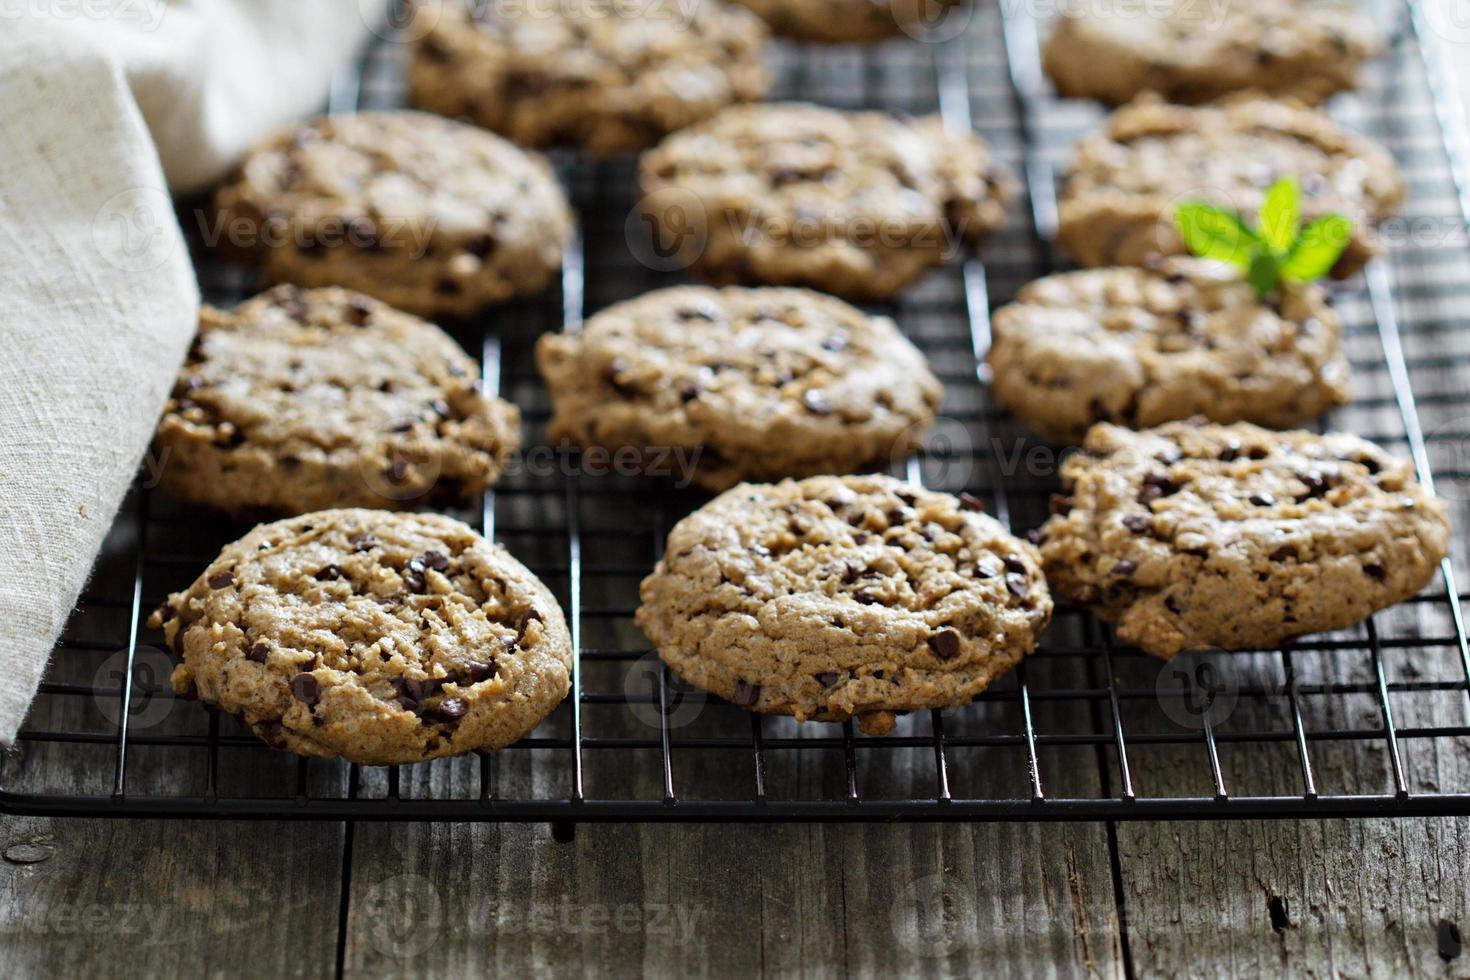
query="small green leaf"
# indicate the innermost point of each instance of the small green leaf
(1318, 248)
(1281, 215)
(1214, 233)
(1265, 274)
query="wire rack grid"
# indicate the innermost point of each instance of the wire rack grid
(1369, 721)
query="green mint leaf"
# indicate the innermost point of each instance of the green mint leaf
(1264, 274)
(1214, 233)
(1318, 248)
(1281, 215)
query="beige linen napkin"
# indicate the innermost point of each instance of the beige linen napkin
(104, 108)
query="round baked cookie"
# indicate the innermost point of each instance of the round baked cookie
(1197, 535)
(859, 204)
(431, 215)
(833, 596)
(1188, 51)
(1117, 206)
(852, 20)
(597, 74)
(1145, 346)
(303, 399)
(379, 637)
(740, 383)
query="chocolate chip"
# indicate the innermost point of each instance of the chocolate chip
(695, 313)
(305, 688)
(817, 402)
(1061, 504)
(362, 542)
(258, 653)
(988, 568)
(1230, 453)
(446, 286)
(436, 560)
(688, 391)
(328, 574)
(827, 679)
(359, 311)
(1156, 485)
(1137, 523)
(531, 616)
(1376, 571)
(968, 501)
(453, 708)
(406, 703)
(414, 579)
(1125, 568)
(746, 695)
(1019, 584)
(835, 342)
(398, 469)
(478, 671)
(481, 245)
(422, 690)
(945, 644)
(1016, 565)
(1283, 553)
(1263, 500)
(866, 598)
(1317, 484)
(221, 580)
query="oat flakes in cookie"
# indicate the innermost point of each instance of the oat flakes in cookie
(304, 399)
(723, 385)
(1141, 347)
(836, 597)
(430, 215)
(859, 204)
(1196, 535)
(1117, 205)
(602, 74)
(383, 638)
(1195, 51)
(855, 20)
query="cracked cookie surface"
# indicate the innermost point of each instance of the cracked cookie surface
(1188, 51)
(835, 597)
(745, 383)
(428, 214)
(1191, 536)
(379, 637)
(1146, 346)
(593, 74)
(304, 399)
(859, 204)
(1117, 205)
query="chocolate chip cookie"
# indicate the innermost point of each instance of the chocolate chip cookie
(832, 597)
(593, 73)
(852, 20)
(303, 399)
(382, 638)
(1196, 535)
(740, 383)
(859, 204)
(1193, 51)
(1145, 346)
(1117, 207)
(431, 215)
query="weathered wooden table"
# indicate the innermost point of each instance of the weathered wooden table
(1367, 897)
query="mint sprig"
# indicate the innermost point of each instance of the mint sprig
(1276, 248)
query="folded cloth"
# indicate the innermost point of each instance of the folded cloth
(105, 109)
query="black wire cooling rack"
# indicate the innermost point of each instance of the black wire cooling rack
(1374, 720)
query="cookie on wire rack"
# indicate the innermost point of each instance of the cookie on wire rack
(305, 399)
(1118, 202)
(1195, 535)
(838, 597)
(431, 215)
(381, 638)
(740, 383)
(606, 77)
(1141, 347)
(858, 204)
